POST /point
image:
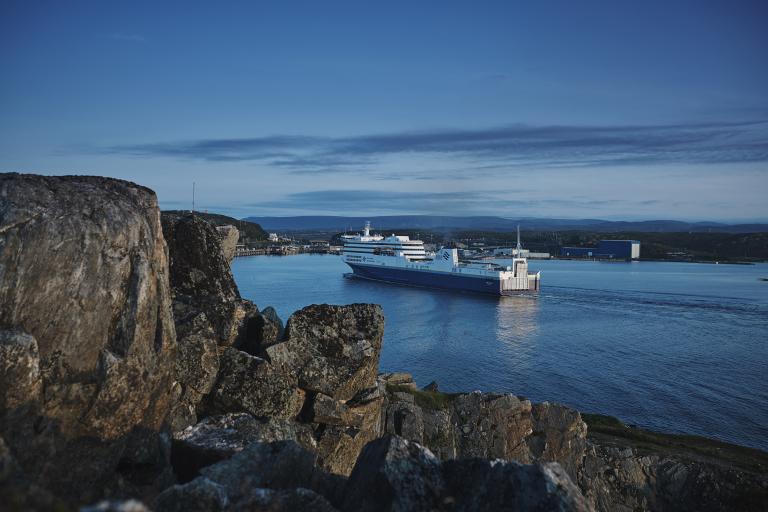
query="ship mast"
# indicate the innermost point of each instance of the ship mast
(519, 247)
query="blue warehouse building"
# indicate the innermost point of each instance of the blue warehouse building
(610, 249)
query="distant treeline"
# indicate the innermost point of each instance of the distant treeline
(655, 246)
(250, 232)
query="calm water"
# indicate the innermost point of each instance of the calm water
(675, 347)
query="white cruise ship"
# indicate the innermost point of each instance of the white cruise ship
(398, 259)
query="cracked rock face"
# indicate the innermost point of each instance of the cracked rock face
(334, 350)
(83, 273)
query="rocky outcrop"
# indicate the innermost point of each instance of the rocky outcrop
(634, 469)
(85, 313)
(333, 349)
(208, 310)
(250, 384)
(559, 435)
(229, 238)
(391, 474)
(96, 373)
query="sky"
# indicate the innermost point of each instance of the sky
(613, 110)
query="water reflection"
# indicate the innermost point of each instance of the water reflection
(517, 320)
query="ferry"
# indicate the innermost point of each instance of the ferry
(398, 259)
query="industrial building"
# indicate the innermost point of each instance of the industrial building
(608, 249)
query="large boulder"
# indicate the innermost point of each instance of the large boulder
(240, 481)
(84, 278)
(488, 425)
(217, 438)
(334, 350)
(559, 435)
(492, 485)
(395, 474)
(250, 384)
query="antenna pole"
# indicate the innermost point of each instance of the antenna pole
(193, 197)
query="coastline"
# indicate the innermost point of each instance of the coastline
(161, 388)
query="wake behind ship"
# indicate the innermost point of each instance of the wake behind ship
(398, 259)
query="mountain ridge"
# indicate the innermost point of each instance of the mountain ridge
(491, 223)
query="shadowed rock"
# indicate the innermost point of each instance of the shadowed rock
(240, 480)
(395, 474)
(85, 273)
(217, 438)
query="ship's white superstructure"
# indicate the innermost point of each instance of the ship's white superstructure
(401, 260)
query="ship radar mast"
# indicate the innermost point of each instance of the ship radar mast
(367, 228)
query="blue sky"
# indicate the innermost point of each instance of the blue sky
(616, 110)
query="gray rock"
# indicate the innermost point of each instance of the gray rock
(432, 386)
(278, 465)
(250, 384)
(492, 426)
(394, 474)
(229, 237)
(196, 368)
(20, 378)
(217, 438)
(264, 330)
(117, 506)
(199, 495)
(85, 273)
(495, 485)
(285, 500)
(559, 434)
(334, 350)
(615, 476)
(326, 410)
(399, 379)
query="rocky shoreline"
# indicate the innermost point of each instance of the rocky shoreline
(133, 376)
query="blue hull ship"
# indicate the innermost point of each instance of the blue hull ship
(400, 260)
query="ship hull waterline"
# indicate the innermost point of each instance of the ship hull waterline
(427, 279)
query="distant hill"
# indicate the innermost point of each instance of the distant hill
(249, 231)
(489, 223)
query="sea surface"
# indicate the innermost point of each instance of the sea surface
(673, 347)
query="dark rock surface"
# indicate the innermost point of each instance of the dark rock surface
(395, 474)
(217, 438)
(207, 308)
(615, 475)
(84, 273)
(240, 481)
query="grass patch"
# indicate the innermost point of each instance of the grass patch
(610, 428)
(434, 400)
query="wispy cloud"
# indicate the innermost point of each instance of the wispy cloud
(500, 148)
(447, 203)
